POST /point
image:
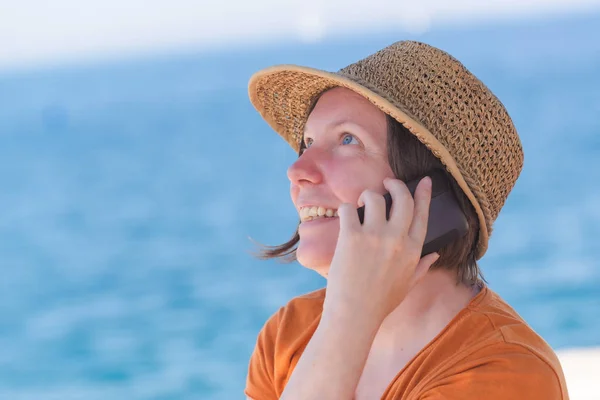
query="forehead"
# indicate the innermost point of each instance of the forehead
(339, 106)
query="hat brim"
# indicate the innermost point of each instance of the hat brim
(282, 95)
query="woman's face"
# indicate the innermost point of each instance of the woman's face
(346, 140)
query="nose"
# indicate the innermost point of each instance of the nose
(305, 169)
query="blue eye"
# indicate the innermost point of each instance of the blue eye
(348, 138)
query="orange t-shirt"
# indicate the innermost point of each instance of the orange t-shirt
(486, 352)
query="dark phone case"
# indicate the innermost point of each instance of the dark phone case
(446, 220)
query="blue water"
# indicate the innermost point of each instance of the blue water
(129, 190)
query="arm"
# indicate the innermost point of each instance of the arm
(333, 360)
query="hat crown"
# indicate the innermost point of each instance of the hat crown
(437, 90)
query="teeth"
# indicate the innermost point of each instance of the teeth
(309, 213)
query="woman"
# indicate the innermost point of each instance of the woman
(391, 324)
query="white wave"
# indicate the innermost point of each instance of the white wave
(34, 32)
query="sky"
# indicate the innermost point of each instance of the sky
(40, 32)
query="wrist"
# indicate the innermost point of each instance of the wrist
(349, 316)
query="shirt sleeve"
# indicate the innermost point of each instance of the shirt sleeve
(261, 369)
(515, 375)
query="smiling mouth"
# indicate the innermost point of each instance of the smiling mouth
(310, 213)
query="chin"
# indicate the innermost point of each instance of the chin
(315, 255)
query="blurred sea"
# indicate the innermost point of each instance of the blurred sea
(129, 190)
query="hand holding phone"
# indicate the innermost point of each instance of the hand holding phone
(446, 223)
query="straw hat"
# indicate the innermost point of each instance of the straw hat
(428, 91)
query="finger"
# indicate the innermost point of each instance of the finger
(402, 204)
(374, 208)
(348, 217)
(418, 227)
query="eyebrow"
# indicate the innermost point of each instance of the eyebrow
(338, 123)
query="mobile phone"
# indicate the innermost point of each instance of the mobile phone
(447, 222)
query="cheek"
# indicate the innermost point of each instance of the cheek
(348, 181)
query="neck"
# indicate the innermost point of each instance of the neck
(426, 310)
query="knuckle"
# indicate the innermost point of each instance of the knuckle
(395, 183)
(371, 234)
(373, 237)
(398, 185)
(392, 235)
(393, 239)
(404, 197)
(407, 197)
(369, 194)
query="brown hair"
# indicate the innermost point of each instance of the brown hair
(410, 159)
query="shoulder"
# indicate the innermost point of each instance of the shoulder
(309, 305)
(292, 324)
(280, 342)
(492, 347)
(508, 328)
(297, 315)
